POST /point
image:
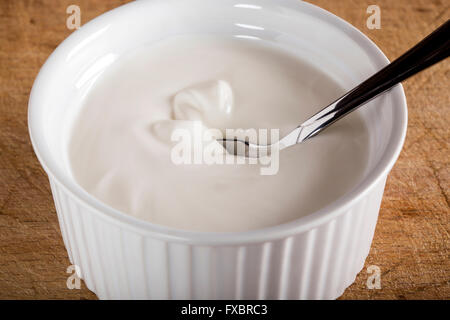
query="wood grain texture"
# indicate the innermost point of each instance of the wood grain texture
(411, 243)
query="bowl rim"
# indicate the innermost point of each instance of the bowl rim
(297, 226)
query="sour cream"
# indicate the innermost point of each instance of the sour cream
(120, 144)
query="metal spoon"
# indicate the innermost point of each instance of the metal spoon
(434, 48)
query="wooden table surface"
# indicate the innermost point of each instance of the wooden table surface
(411, 243)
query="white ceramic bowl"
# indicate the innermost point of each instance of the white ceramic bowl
(314, 257)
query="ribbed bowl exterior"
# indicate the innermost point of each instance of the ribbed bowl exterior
(117, 262)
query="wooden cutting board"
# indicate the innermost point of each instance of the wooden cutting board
(411, 243)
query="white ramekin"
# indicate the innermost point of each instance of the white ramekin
(314, 257)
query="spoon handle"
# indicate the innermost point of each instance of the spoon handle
(432, 49)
